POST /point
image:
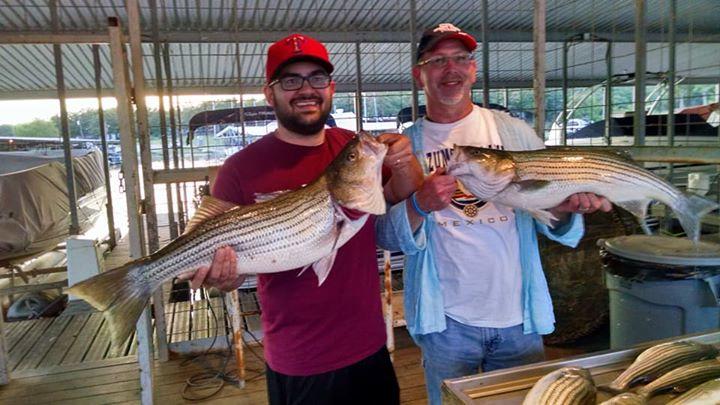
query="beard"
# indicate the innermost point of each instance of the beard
(454, 99)
(299, 123)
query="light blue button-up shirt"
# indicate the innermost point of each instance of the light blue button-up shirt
(424, 308)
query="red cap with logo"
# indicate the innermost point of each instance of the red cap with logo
(294, 48)
(442, 32)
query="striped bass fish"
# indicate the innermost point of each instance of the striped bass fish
(565, 386)
(683, 378)
(626, 398)
(703, 394)
(297, 229)
(541, 179)
(658, 360)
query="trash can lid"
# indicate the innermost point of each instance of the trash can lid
(664, 250)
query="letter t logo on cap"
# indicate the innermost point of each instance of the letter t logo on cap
(297, 42)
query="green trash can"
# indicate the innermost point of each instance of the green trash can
(660, 287)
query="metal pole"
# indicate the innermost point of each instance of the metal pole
(608, 93)
(173, 134)
(486, 55)
(158, 300)
(163, 124)
(123, 90)
(103, 140)
(65, 130)
(640, 55)
(563, 130)
(241, 107)
(413, 48)
(539, 66)
(671, 72)
(358, 90)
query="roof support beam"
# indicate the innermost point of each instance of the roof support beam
(89, 37)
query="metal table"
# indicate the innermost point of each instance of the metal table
(509, 386)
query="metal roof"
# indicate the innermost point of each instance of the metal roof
(204, 36)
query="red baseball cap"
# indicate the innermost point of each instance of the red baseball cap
(293, 48)
(442, 32)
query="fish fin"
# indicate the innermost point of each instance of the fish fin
(120, 294)
(689, 214)
(264, 197)
(210, 207)
(544, 216)
(323, 266)
(303, 270)
(636, 207)
(531, 185)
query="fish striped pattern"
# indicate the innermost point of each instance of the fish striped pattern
(686, 377)
(570, 389)
(567, 385)
(291, 222)
(571, 166)
(660, 359)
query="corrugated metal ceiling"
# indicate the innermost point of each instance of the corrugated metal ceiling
(202, 37)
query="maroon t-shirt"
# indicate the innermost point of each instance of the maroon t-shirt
(309, 329)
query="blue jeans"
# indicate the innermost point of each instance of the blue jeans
(462, 350)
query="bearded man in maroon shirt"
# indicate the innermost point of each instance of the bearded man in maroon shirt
(323, 344)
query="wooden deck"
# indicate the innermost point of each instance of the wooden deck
(116, 380)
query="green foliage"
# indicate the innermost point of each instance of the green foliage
(37, 128)
(6, 130)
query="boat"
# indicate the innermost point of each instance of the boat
(34, 204)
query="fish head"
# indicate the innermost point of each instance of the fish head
(483, 172)
(355, 176)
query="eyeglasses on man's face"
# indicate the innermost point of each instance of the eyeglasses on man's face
(462, 59)
(290, 82)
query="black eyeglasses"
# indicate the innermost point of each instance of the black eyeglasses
(295, 82)
(440, 61)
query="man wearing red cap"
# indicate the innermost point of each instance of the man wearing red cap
(322, 344)
(475, 294)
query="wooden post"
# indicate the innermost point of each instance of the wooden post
(121, 78)
(4, 370)
(232, 306)
(389, 321)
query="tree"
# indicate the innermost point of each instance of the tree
(37, 128)
(6, 130)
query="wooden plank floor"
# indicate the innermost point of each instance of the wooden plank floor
(116, 381)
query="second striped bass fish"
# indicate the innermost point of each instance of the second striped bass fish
(658, 360)
(296, 229)
(683, 378)
(541, 179)
(565, 386)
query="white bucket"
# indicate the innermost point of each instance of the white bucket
(699, 183)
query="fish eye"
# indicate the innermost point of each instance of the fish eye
(351, 156)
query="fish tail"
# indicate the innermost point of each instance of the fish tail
(121, 294)
(693, 208)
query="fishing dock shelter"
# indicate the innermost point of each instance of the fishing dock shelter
(175, 88)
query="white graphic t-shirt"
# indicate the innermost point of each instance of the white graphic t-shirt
(476, 242)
